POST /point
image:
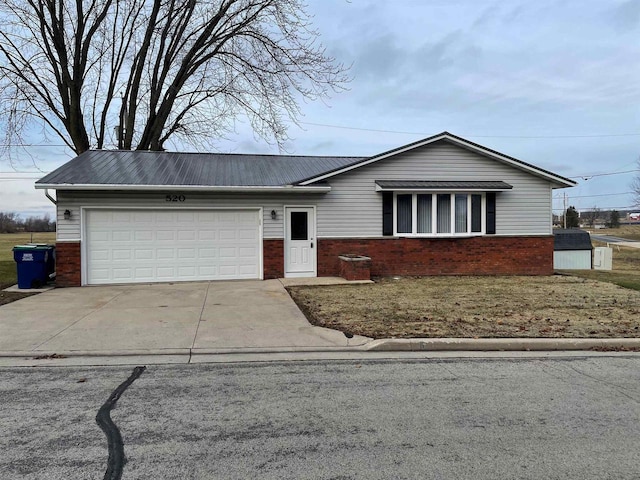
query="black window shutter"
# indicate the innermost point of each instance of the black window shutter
(387, 213)
(491, 213)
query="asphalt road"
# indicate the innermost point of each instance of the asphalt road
(430, 419)
(609, 238)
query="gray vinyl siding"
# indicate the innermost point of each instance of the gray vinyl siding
(353, 208)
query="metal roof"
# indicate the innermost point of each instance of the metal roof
(442, 185)
(571, 239)
(120, 167)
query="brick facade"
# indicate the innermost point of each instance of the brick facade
(488, 255)
(68, 264)
(273, 258)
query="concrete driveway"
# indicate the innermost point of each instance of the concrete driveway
(217, 316)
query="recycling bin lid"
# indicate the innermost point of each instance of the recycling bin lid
(31, 247)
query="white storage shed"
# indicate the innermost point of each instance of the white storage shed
(572, 249)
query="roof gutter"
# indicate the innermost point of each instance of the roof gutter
(192, 188)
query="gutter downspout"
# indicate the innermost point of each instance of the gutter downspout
(53, 200)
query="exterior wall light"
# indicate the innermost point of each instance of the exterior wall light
(274, 214)
(67, 214)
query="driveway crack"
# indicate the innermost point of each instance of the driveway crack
(204, 303)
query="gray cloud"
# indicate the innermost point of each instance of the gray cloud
(626, 16)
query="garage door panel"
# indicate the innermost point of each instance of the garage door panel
(118, 216)
(166, 235)
(121, 236)
(143, 236)
(171, 245)
(186, 235)
(121, 254)
(143, 217)
(165, 272)
(186, 217)
(247, 234)
(122, 273)
(165, 253)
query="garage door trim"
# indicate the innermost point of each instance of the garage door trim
(84, 258)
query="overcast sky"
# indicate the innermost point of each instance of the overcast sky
(555, 83)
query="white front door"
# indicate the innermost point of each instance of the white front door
(300, 242)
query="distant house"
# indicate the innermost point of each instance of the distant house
(572, 249)
(439, 206)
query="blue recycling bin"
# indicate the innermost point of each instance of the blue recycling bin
(51, 260)
(33, 264)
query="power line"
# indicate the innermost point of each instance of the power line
(473, 136)
(20, 178)
(10, 145)
(628, 207)
(599, 195)
(589, 177)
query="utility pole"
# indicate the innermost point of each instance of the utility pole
(565, 211)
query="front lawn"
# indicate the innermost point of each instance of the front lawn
(626, 267)
(556, 306)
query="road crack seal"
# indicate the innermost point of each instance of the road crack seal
(116, 461)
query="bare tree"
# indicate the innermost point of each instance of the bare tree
(591, 216)
(134, 73)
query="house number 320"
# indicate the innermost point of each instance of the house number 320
(174, 198)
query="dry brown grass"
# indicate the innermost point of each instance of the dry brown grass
(552, 307)
(626, 267)
(587, 303)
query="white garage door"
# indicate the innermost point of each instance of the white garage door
(133, 246)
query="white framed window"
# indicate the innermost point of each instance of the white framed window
(424, 214)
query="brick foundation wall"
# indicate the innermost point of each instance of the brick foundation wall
(68, 264)
(488, 255)
(389, 256)
(273, 258)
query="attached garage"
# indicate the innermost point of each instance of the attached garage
(153, 245)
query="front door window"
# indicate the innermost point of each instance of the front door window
(299, 226)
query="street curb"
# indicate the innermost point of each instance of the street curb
(382, 345)
(499, 344)
(95, 353)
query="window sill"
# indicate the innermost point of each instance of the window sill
(442, 235)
